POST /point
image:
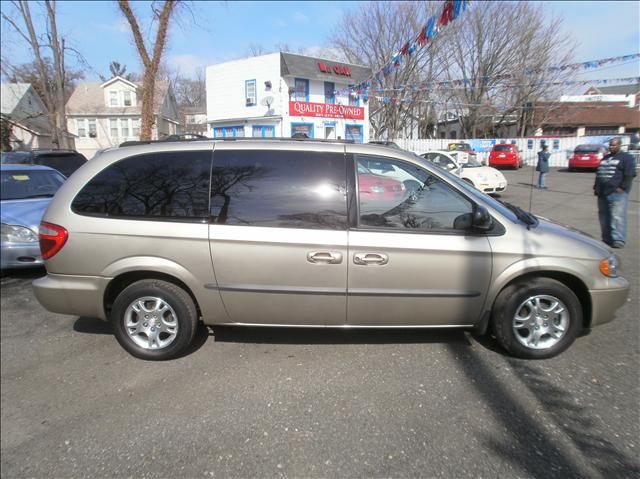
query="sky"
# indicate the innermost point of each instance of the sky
(222, 31)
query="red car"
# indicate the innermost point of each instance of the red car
(587, 157)
(505, 155)
(378, 187)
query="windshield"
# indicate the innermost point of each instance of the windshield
(20, 185)
(502, 148)
(473, 192)
(471, 163)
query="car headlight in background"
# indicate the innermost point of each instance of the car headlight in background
(17, 234)
(609, 266)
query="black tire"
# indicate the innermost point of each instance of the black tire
(512, 297)
(177, 298)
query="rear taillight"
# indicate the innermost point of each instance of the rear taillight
(52, 239)
(599, 156)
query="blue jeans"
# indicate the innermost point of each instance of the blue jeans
(612, 213)
(541, 179)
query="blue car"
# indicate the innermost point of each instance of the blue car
(26, 191)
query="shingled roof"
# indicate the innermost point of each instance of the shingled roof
(307, 67)
(88, 99)
(588, 114)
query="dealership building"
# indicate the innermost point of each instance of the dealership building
(281, 94)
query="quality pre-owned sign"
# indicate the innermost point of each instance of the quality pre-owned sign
(325, 110)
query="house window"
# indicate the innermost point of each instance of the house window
(229, 132)
(113, 128)
(93, 132)
(127, 98)
(81, 128)
(135, 127)
(250, 92)
(263, 131)
(124, 127)
(353, 97)
(329, 92)
(113, 98)
(301, 90)
(353, 132)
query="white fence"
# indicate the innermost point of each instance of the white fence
(560, 148)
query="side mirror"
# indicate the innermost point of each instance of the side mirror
(481, 219)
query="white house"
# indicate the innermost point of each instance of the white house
(106, 114)
(28, 116)
(281, 94)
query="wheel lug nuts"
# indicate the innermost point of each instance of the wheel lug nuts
(145, 324)
(153, 329)
(537, 327)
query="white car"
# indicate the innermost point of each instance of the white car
(484, 178)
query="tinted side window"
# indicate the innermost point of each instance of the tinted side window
(165, 185)
(413, 199)
(285, 189)
(65, 164)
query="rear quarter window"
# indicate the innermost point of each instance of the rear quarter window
(156, 186)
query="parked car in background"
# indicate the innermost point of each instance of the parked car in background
(484, 178)
(65, 161)
(505, 155)
(587, 157)
(26, 191)
(465, 151)
(374, 186)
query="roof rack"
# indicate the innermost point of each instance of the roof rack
(312, 140)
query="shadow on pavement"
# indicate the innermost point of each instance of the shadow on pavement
(531, 446)
(92, 326)
(337, 336)
(571, 418)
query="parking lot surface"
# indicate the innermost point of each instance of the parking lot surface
(313, 403)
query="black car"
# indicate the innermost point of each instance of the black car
(65, 161)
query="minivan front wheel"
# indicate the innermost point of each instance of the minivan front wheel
(154, 319)
(536, 319)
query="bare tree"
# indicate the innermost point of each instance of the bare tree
(190, 92)
(30, 73)
(52, 83)
(371, 37)
(151, 63)
(256, 50)
(502, 51)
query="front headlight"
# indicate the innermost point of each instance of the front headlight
(609, 267)
(17, 234)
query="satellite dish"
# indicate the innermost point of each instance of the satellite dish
(267, 101)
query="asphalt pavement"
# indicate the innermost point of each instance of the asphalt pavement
(312, 403)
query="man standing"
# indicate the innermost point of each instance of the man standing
(543, 165)
(613, 183)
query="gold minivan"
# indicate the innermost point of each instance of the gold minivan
(159, 236)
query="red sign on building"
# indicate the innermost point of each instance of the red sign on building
(324, 110)
(337, 69)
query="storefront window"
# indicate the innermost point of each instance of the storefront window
(353, 132)
(302, 128)
(301, 90)
(329, 95)
(263, 131)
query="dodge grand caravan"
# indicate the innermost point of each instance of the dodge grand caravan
(159, 236)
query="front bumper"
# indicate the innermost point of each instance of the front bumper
(20, 255)
(605, 302)
(73, 295)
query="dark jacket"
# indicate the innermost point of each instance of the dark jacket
(543, 162)
(615, 171)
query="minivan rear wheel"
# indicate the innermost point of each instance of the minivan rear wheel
(536, 319)
(154, 319)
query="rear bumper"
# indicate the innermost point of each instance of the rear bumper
(73, 295)
(584, 164)
(605, 302)
(20, 255)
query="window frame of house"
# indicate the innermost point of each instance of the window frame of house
(124, 126)
(254, 100)
(81, 125)
(132, 124)
(126, 93)
(295, 88)
(331, 100)
(113, 95)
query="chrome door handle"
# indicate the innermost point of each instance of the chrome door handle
(324, 257)
(370, 258)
